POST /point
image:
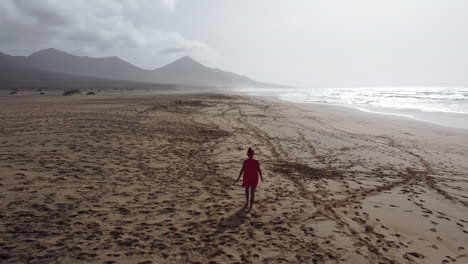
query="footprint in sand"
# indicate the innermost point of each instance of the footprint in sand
(415, 254)
(451, 259)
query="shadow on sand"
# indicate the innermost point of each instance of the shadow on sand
(235, 220)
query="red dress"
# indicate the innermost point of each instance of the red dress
(250, 177)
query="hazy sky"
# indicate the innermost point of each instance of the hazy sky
(309, 42)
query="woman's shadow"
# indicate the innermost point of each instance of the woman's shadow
(233, 221)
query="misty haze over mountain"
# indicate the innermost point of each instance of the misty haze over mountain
(184, 71)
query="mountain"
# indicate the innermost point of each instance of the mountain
(188, 71)
(184, 71)
(107, 67)
(17, 73)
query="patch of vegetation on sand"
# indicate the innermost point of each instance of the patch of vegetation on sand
(71, 92)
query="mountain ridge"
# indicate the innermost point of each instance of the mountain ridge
(183, 71)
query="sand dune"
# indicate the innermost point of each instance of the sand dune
(149, 179)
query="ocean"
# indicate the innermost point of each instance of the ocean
(446, 106)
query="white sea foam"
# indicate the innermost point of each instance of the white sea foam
(441, 105)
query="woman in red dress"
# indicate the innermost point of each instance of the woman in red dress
(251, 170)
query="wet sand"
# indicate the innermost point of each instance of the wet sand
(150, 179)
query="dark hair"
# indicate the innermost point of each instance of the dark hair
(250, 150)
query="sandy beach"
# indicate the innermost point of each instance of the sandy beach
(149, 178)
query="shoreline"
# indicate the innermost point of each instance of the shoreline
(148, 178)
(449, 119)
(433, 120)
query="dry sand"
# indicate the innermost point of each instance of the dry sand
(149, 179)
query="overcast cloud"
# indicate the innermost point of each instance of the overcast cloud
(95, 28)
(300, 42)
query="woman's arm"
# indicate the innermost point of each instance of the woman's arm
(259, 170)
(241, 171)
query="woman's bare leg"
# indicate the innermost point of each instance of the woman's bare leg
(246, 196)
(252, 196)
